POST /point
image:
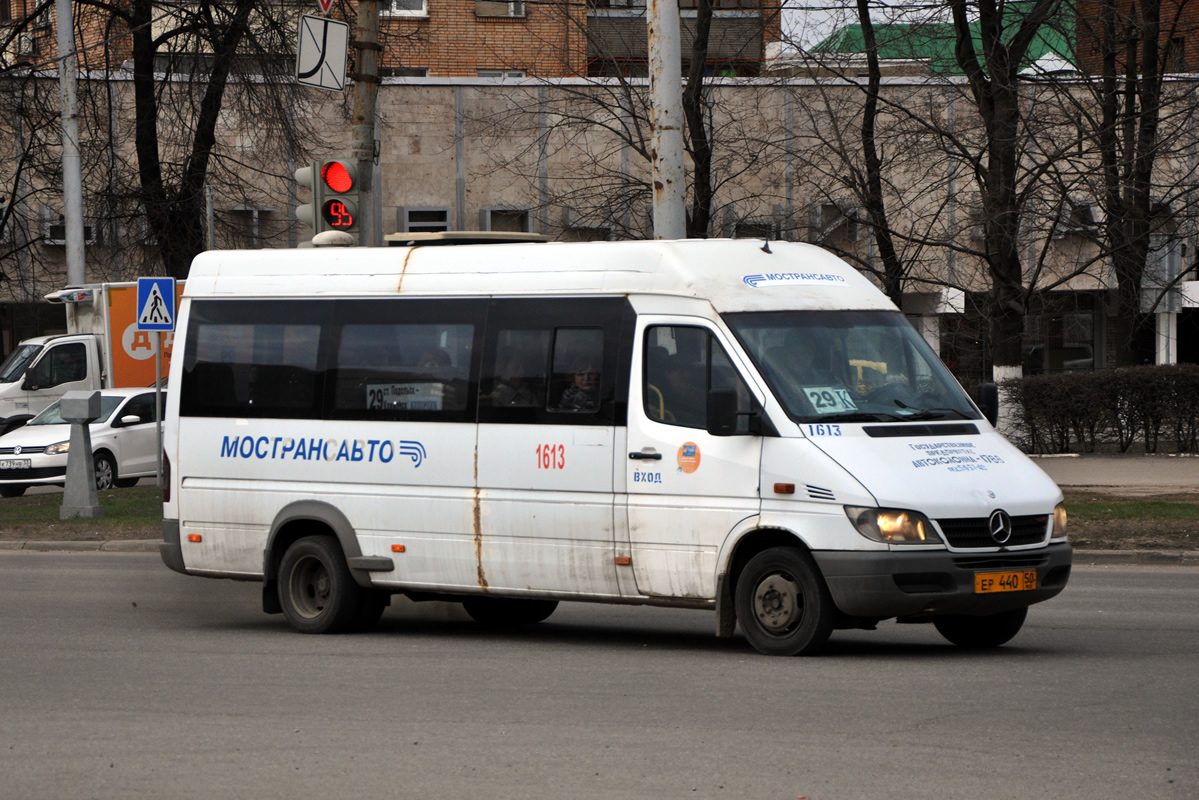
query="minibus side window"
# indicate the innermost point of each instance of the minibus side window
(681, 364)
(388, 368)
(556, 361)
(575, 381)
(267, 367)
(516, 379)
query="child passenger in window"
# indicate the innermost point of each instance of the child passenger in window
(583, 392)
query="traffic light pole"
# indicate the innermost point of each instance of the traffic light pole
(366, 94)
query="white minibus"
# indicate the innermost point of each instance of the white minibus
(745, 427)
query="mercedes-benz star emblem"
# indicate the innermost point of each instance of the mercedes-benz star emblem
(1000, 526)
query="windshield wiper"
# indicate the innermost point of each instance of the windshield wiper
(931, 413)
(853, 416)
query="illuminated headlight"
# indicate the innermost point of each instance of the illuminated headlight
(892, 525)
(58, 449)
(1059, 523)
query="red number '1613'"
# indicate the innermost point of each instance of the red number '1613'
(551, 456)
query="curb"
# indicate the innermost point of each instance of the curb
(113, 546)
(1082, 558)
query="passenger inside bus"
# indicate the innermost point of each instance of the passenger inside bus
(583, 392)
(514, 386)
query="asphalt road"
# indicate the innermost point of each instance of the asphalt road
(124, 680)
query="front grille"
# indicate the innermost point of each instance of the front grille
(1002, 561)
(25, 450)
(30, 474)
(976, 531)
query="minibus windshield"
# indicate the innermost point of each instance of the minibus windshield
(850, 366)
(14, 366)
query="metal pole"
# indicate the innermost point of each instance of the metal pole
(666, 118)
(366, 93)
(72, 179)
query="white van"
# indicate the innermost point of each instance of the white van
(726, 425)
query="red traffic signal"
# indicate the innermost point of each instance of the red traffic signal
(339, 176)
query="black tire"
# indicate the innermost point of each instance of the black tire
(316, 591)
(783, 603)
(981, 633)
(12, 491)
(505, 612)
(106, 471)
(125, 483)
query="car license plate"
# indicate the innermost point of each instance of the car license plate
(988, 582)
(15, 463)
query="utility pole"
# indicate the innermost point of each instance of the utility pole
(366, 94)
(666, 119)
(72, 178)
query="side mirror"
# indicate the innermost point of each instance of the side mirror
(988, 402)
(130, 419)
(722, 412)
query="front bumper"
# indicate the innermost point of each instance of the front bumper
(41, 471)
(898, 584)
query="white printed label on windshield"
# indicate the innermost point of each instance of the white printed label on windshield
(407, 396)
(829, 399)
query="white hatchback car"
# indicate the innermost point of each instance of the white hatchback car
(124, 445)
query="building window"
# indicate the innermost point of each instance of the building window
(1178, 54)
(54, 230)
(404, 8)
(497, 8)
(507, 219)
(755, 229)
(250, 224)
(404, 72)
(500, 73)
(424, 220)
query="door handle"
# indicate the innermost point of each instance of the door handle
(642, 455)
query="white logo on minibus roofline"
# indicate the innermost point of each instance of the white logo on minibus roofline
(783, 278)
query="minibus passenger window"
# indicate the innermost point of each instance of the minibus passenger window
(388, 368)
(578, 357)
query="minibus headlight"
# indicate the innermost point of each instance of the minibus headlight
(1059, 522)
(58, 449)
(892, 525)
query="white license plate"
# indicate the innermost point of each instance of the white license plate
(15, 463)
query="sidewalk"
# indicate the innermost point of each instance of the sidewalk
(1133, 475)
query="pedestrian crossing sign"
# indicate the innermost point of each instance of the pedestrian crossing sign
(156, 304)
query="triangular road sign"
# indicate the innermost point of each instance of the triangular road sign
(325, 5)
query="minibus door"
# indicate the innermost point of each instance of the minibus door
(686, 488)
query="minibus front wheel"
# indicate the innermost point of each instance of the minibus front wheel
(783, 604)
(316, 590)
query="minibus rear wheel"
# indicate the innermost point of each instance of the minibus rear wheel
(980, 633)
(316, 590)
(508, 612)
(783, 604)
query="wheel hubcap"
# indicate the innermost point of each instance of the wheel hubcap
(103, 474)
(310, 587)
(778, 603)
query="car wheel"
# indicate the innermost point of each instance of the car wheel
(783, 604)
(316, 590)
(125, 483)
(502, 612)
(980, 633)
(106, 471)
(12, 491)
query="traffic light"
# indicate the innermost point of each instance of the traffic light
(339, 197)
(334, 206)
(306, 213)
